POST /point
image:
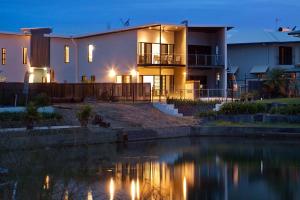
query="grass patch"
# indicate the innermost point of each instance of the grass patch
(256, 124)
(281, 100)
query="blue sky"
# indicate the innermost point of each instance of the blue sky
(82, 16)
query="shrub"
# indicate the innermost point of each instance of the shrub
(207, 114)
(84, 114)
(178, 102)
(42, 99)
(286, 110)
(31, 115)
(242, 108)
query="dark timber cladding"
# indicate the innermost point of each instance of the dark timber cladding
(40, 47)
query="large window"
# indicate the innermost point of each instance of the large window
(24, 55)
(154, 53)
(90, 53)
(285, 55)
(67, 54)
(3, 53)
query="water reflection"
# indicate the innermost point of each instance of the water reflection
(171, 170)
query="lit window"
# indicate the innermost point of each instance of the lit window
(118, 79)
(90, 53)
(67, 54)
(93, 78)
(25, 53)
(3, 50)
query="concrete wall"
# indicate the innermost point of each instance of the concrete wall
(118, 51)
(63, 72)
(14, 69)
(247, 56)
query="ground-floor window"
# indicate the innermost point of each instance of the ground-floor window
(163, 84)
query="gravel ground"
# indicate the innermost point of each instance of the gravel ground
(126, 115)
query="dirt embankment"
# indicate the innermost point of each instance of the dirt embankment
(127, 115)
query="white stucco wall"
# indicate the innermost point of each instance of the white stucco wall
(117, 50)
(14, 69)
(64, 72)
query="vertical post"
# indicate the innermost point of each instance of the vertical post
(160, 78)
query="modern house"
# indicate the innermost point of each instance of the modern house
(253, 53)
(175, 59)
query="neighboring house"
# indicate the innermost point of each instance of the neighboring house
(173, 58)
(253, 53)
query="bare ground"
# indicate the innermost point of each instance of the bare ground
(127, 115)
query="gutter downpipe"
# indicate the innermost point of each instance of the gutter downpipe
(76, 60)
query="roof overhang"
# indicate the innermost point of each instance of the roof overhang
(260, 69)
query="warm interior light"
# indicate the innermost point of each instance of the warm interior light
(132, 190)
(184, 188)
(112, 73)
(133, 73)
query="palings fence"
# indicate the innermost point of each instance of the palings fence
(13, 93)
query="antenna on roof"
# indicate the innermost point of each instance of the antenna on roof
(125, 23)
(185, 22)
(294, 28)
(108, 26)
(276, 22)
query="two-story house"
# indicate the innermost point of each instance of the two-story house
(173, 58)
(253, 53)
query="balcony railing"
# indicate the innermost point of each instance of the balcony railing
(163, 59)
(205, 60)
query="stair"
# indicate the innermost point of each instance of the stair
(168, 109)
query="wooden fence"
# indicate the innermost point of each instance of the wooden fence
(11, 93)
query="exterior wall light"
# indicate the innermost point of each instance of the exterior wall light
(112, 73)
(133, 73)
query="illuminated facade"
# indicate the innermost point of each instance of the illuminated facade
(175, 59)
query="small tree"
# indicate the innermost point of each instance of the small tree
(31, 115)
(276, 81)
(84, 115)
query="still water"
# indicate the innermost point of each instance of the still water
(169, 169)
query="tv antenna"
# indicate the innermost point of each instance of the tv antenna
(125, 23)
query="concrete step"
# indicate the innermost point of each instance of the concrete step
(167, 109)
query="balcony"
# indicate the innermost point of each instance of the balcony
(163, 59)
(204, 60)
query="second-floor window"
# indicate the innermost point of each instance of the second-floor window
(3, 53)
(90, 53)
(285, 55)
(154, 53)
(24, 55)
(67, 54)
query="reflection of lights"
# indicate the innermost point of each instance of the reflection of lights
(66, 195)
(112, 73)
(261, 166)
(137, 189)
(236, 174)
(47, 182)
(90, 195)
(184, 185)
(111, 189)
(133, 73)
(132, 190)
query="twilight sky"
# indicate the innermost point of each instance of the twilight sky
(82, 16)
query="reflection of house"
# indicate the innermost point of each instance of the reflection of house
(170, 57)
(253, 53)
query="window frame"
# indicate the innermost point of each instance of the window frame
(283, 57)
(90, 55)
(3, 56)
(24, 55)
(67, 56)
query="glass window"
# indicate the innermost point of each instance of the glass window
(3, 52)
(118, 79)
(24, 53)
(90, 53)
(67, 54)
(93, 78)
(285, 55)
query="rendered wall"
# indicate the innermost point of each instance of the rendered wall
(14, 69)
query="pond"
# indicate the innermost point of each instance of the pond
(186, 168)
